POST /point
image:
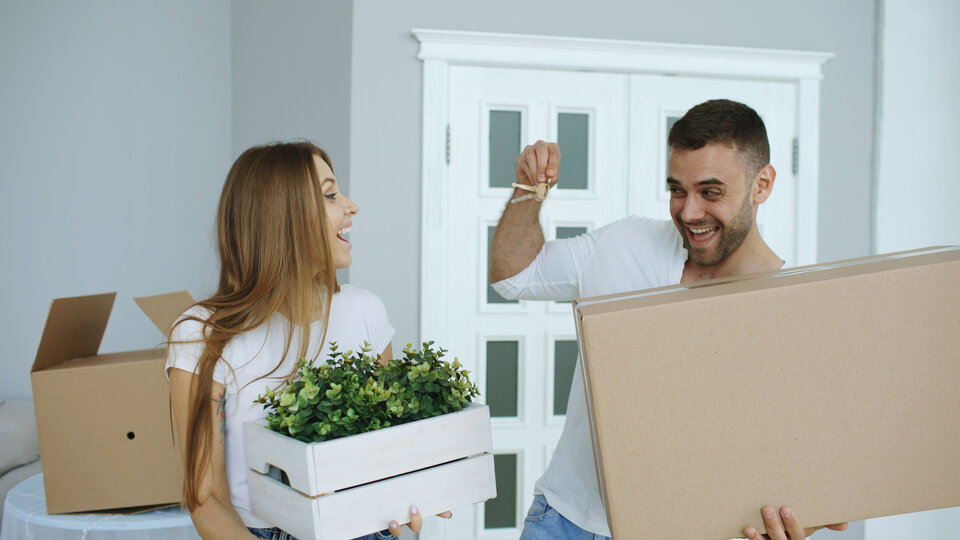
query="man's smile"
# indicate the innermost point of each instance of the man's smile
(701, 235)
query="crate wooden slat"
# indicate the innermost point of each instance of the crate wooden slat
(329, 466)
(369, 508)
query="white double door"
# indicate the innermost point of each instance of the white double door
(612, 129)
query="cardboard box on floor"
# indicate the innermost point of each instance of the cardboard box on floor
(833, 389)
(106, 435)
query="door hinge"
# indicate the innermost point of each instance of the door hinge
(796, 155)
(448, 144)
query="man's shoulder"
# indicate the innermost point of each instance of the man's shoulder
(642, 246)
(642, 228)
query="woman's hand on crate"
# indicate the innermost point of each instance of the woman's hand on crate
(416, 521)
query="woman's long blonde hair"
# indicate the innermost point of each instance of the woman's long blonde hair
(275, 257)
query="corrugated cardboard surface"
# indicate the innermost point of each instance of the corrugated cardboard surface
(106, 442)
(106, 436)
(835, 392)
(163, 309)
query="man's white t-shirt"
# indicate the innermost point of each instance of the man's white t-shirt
(627, 255)
(356, 316)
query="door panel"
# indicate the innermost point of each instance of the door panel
(612, 129)
(494, 113)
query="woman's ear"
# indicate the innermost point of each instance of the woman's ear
(763, 185)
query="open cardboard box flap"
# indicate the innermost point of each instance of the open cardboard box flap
(832, 389)
(75, 326)
(103, 420)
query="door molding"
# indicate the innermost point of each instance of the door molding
(532, 51)
(441, 49)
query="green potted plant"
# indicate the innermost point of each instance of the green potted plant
(358, 440)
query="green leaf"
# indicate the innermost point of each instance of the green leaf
(351, 392)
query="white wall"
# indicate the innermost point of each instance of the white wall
(936, 524)
(114, 142)
(918, 195)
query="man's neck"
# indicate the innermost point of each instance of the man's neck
(753, 255)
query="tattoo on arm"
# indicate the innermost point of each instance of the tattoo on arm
(222, 411)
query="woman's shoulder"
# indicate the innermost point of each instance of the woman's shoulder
(357, 301)
(356, 294)
(190, 323)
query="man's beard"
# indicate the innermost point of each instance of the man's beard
(732, 235)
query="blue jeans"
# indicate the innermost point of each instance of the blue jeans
(543, 522)
(276, 534)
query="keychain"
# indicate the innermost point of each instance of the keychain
(539, 192)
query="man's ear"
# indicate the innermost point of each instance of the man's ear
(763, 184)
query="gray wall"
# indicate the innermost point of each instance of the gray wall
(114, 141)
(291, 75)
(117, 87)
(385, 132)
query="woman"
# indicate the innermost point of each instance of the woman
(281, 228)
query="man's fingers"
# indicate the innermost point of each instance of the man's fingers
(538, 163)
(838, 526)
(527, 166)
(542, 151)
(792, 524)
(553, 161)
(772, 523)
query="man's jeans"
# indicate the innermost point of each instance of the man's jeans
(543, 522)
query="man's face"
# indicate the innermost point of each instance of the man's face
(710, 201)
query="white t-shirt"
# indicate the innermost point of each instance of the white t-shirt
(627, 255)
(356, 316)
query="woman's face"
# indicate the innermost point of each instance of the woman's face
(340, 210)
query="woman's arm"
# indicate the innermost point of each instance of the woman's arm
(215, 516)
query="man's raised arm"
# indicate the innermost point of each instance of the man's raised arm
(518, 237)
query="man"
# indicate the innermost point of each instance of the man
(719, 173)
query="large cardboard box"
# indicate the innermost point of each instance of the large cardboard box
(353, 486)
(106, 434)
(831, 389)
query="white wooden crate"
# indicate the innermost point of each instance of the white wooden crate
(368, 508)
(355, 485)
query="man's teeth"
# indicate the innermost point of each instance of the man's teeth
(700, 230)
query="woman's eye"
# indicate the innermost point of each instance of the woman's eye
(331, 196)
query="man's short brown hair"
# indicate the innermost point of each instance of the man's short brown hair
(726, 122)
